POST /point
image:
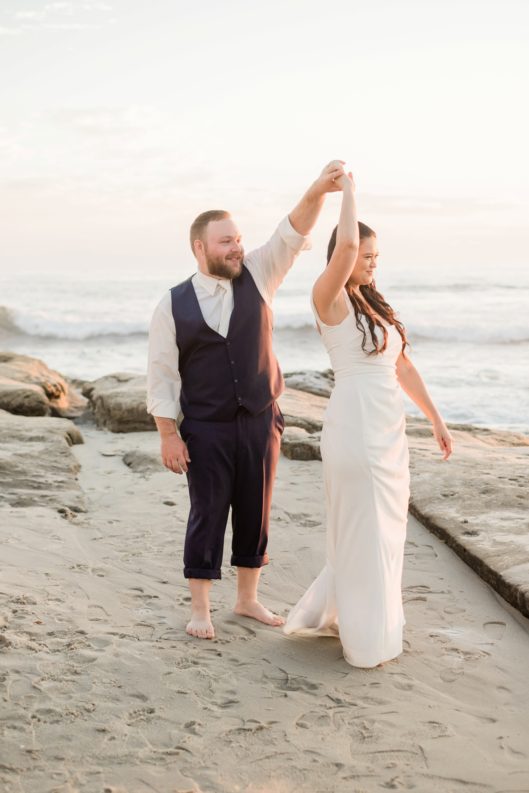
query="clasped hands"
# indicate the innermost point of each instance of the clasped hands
(334, 178)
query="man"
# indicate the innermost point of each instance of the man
(210, 357)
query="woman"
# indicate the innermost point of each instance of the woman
(364, 451)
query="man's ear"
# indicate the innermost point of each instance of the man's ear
(198, 248)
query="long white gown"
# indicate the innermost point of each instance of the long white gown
(357, 596)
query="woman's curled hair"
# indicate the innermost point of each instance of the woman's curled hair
(374, 301)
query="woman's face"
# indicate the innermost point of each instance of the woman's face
(366, 262)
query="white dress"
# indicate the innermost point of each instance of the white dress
(357, 596)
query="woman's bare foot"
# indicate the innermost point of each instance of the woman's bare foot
(254, 609)
(201, 627)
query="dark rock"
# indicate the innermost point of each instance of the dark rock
(119, 402)
(29, 388)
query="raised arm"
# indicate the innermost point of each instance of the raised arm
(328, 289)
(412, 383)
(305, 214)
(270, 263)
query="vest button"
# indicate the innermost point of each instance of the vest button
(235, 381)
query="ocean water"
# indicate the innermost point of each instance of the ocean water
(469, 330)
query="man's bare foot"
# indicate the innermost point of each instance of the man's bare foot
(252, 608)
(201, 628)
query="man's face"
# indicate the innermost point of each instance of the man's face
(223, 250)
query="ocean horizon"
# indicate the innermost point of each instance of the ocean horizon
(468, 331)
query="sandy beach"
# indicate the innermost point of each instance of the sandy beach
(102, 690)
(180, 189)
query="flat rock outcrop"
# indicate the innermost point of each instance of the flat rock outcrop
(477, 502)
(319, 383)
(298, 444)
(119, 402)
(37, 467)
(29, 388)
(302, 409)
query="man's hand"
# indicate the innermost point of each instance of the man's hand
(305, 213)
(329, 179)
(175, 456)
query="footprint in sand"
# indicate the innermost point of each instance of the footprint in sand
(96, 613)
(424, 589)
(435, 729)
(140, 714)
(312, 719)
(450, 675)
(467, 655)
(494, 630)
(402, 681)
(143, 630)
(47, 715)
(453, 610)
(239, 630)
(293, 683)
(229, 702)
(193, 727)
(99, 642)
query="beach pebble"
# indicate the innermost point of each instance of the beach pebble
(143, 462)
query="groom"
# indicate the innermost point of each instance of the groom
(211, 358)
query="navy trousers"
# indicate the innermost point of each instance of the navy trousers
(233, 464)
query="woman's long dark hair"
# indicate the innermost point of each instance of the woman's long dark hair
(374, 300)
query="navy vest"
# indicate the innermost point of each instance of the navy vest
(219, 374)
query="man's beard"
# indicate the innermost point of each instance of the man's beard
(225, 266)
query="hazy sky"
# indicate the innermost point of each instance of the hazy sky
(122, 120)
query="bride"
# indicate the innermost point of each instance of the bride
(357, 596)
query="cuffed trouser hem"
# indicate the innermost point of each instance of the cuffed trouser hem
(190, 572)
(249, 561)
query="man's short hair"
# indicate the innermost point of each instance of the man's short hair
(199, 225)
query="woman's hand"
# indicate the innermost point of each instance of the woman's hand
(443, 437)
(344, 181)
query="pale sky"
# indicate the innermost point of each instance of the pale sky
(121, 120)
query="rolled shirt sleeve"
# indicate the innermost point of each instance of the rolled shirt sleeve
(270, 263)
(163, 376)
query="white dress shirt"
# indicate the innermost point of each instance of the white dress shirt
(268, 266)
